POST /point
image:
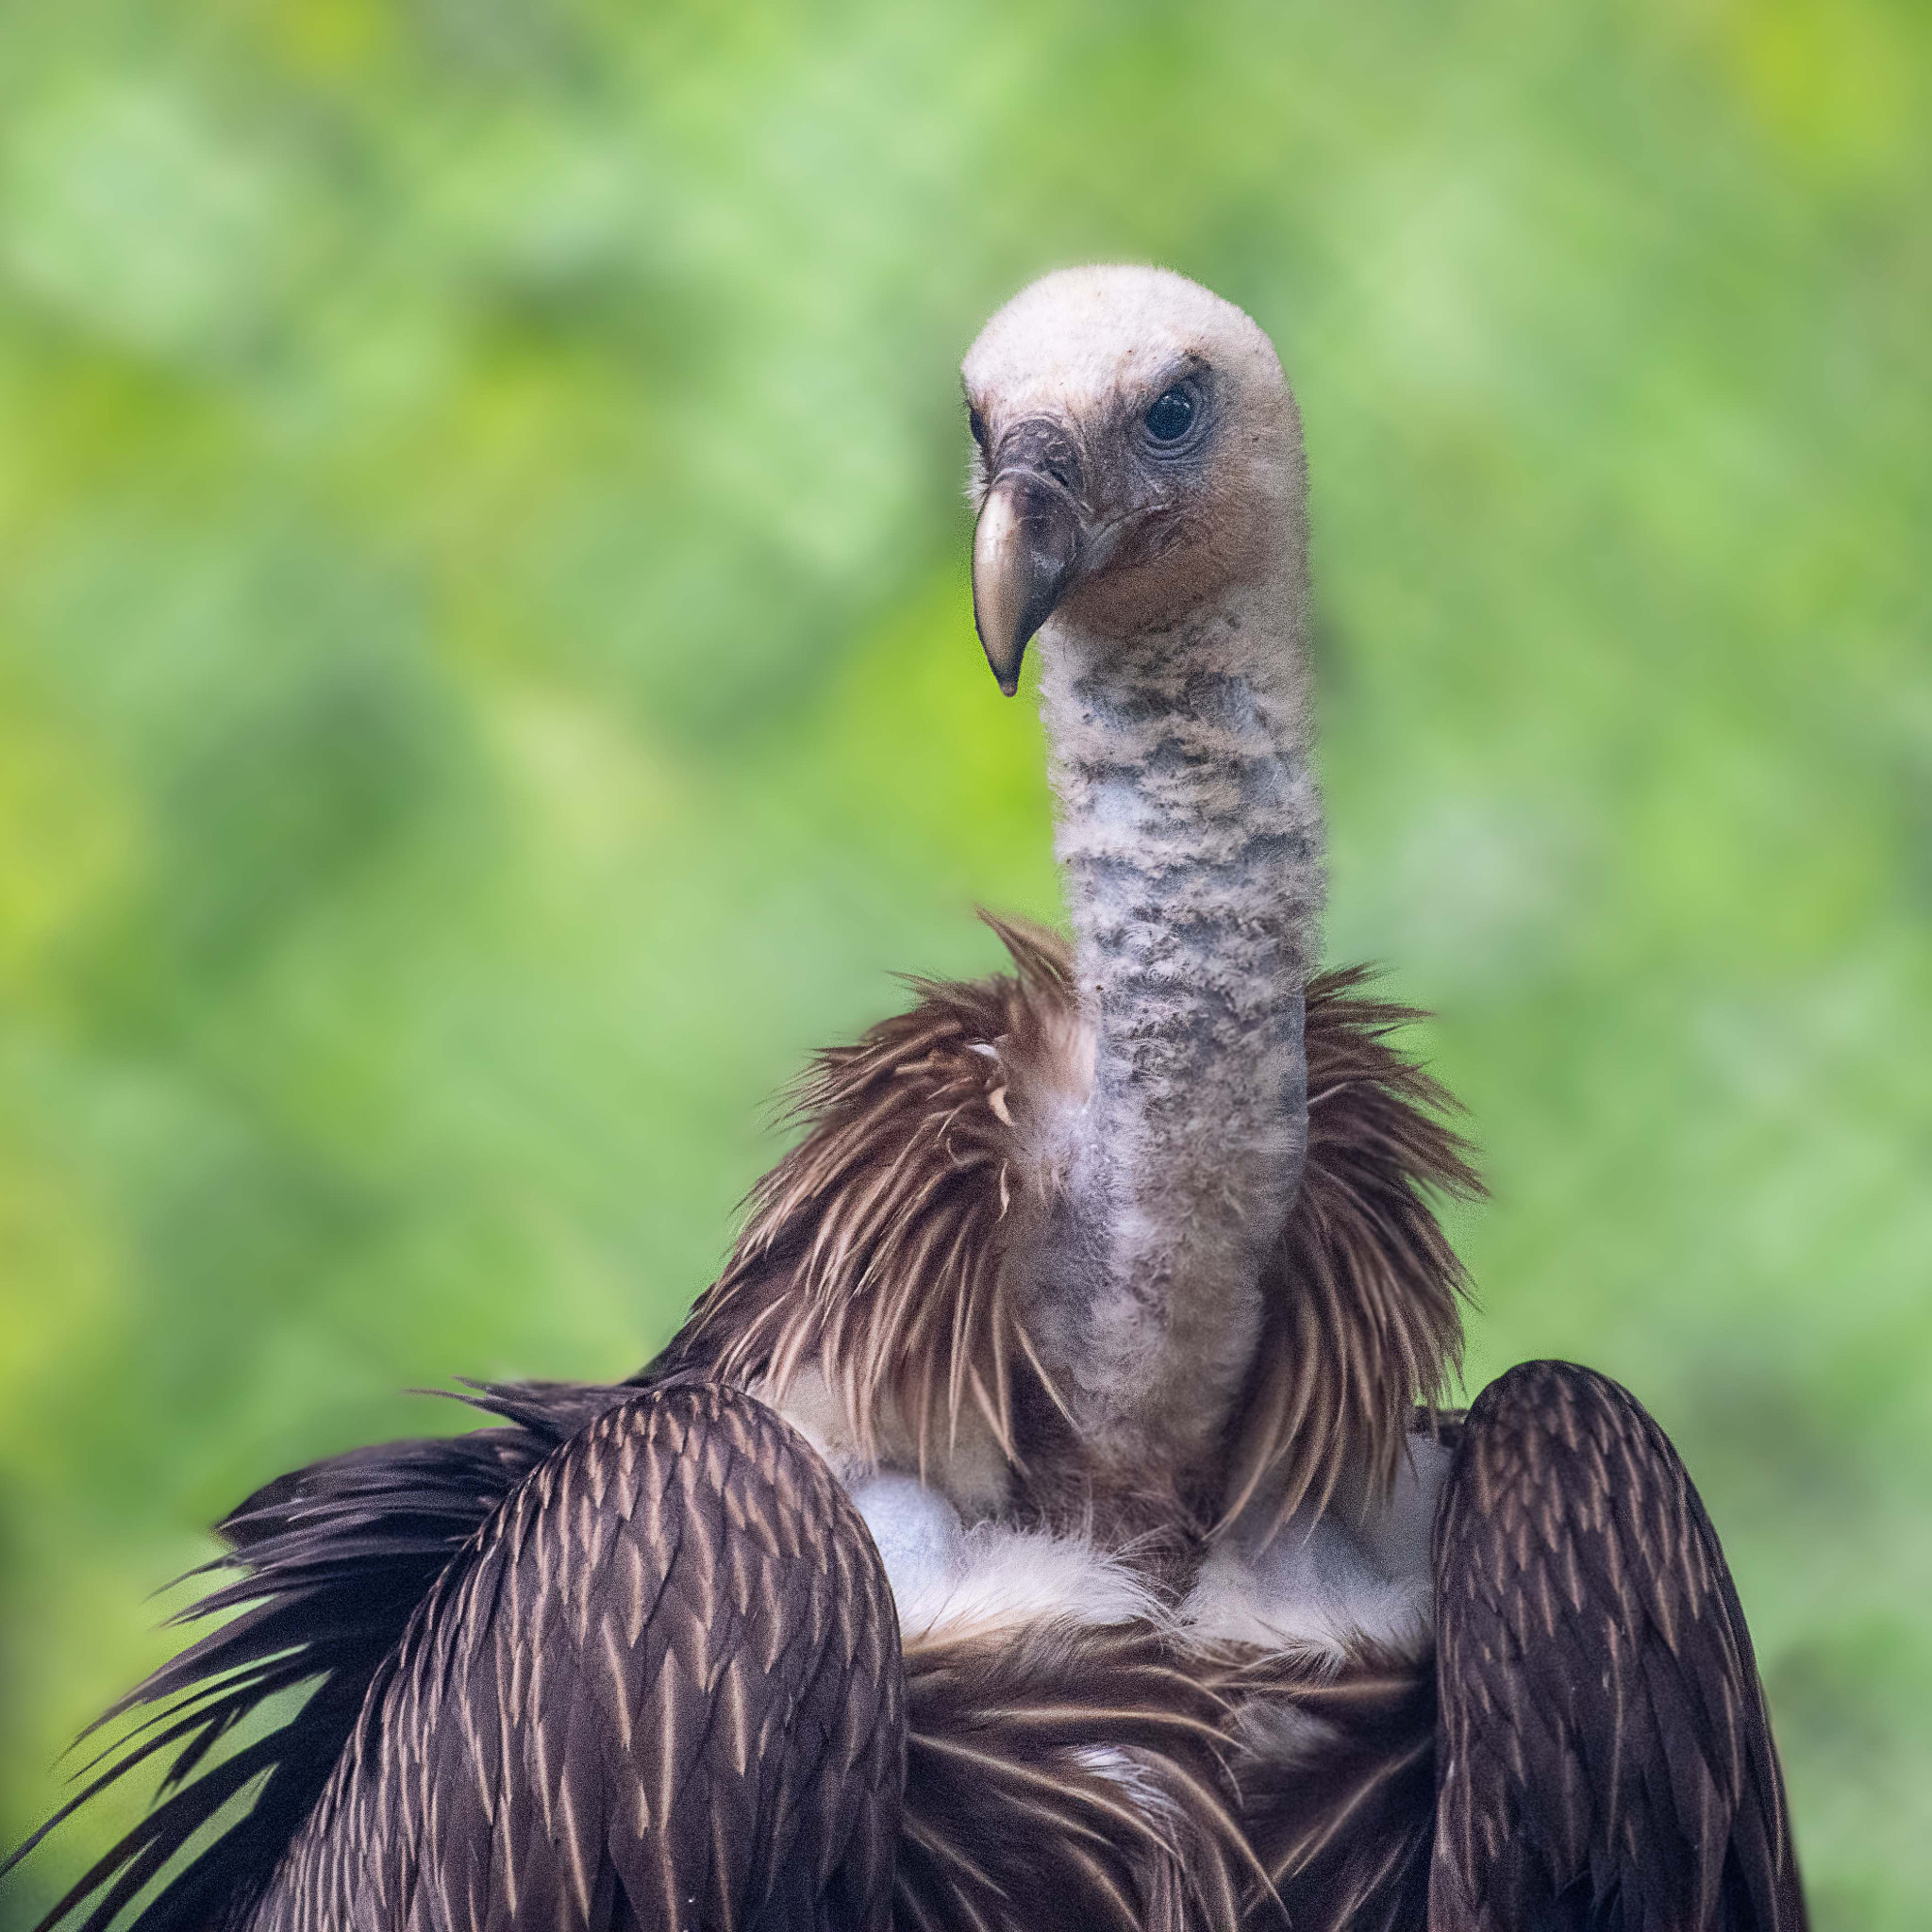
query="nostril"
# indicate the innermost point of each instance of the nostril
(1041, 444)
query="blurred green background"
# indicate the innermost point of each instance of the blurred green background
(488, 684)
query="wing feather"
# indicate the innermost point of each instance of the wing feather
(732, 1755)
(330, 1562)
(1605, 1760)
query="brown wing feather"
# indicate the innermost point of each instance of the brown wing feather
(873, 1250)
(1606, 1758)
(660, 1689)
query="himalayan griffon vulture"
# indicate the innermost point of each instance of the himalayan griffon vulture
(1049, 1519)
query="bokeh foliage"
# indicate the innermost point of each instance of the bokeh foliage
(488, 684)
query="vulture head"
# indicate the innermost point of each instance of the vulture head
(1137, 458)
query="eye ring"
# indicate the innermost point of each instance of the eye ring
(1170, 414)
(976, 423)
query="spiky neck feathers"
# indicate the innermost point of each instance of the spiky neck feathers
(1189, 837)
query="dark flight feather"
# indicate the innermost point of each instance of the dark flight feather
(660, 1687)
(333, 1560)
(1605, 1761)
(633, 1651)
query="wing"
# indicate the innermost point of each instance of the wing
(333, 1560)
(628, 1662)
(661, 1689)
(1605, 1762)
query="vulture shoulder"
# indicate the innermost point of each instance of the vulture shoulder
(660, 1687)
(867, 1294)
(1605, 1759)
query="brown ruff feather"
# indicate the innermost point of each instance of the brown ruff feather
(873, 1251)
(1362, 1315)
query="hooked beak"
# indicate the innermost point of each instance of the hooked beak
(1025, 554)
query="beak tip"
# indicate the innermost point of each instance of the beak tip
(1026, 547)
(1004, 666)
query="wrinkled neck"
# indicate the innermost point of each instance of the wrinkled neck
(1190, 839)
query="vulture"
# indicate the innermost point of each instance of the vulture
(1051, 1518)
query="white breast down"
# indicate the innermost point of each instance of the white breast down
(951, 1580)
(1319, 1585)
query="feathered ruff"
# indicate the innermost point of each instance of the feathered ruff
(333, 1562)
(1362, 1305)
(1067, 1776)
(873, 1251)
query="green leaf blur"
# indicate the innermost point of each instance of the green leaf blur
(488, 684)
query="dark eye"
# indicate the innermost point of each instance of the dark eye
(977, 423)
(1169, 415)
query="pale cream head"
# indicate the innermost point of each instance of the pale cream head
(1137, 453)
